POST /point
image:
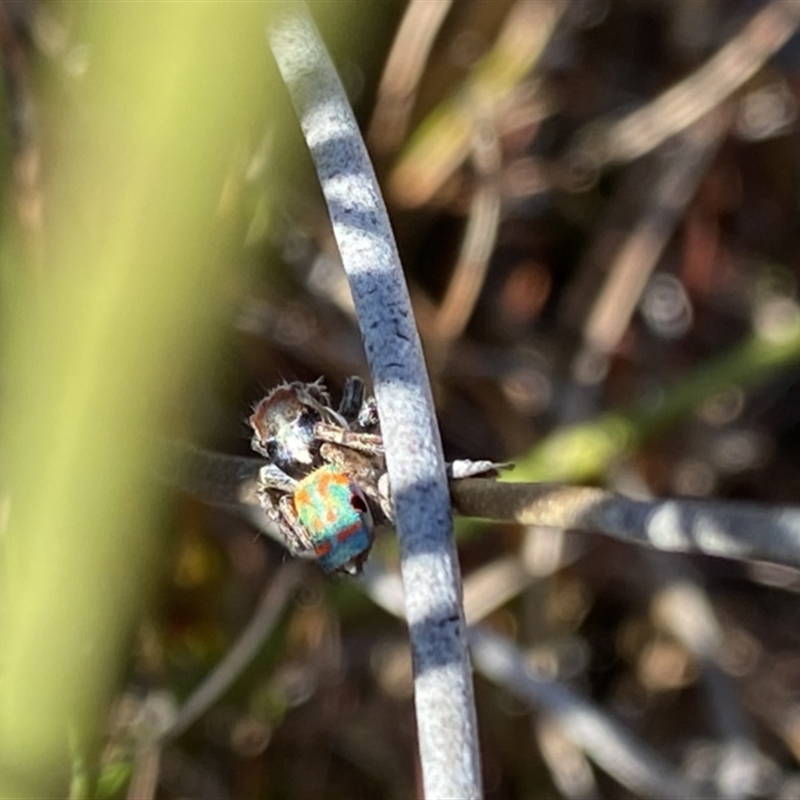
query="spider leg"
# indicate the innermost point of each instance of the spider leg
(350, 461)
(368, 413)
(369, 444)
(297, 537)
(267, 503)
(352, 398)
(271, 477)
(275, 513)
(364, 472)
(279, 508)
(317, 390)
(358, 409)
(464, 468)
(275, 490)
(385, 497)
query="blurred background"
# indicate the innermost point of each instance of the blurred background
(596, 204)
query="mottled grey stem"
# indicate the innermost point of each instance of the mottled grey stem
(744, 531)
(609, 745)
(214, 477)
(442, 677)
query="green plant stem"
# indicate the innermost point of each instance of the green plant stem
(583, 452)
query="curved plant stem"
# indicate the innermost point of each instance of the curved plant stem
(620, 753)
(443, 682)
(743, 531)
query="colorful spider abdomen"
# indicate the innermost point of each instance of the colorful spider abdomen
(335, 513)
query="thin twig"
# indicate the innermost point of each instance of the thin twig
(570, 768)
(442, 141)
(273, 601)
(213, 477)
(681, 605)
(493, 585)
(624, 758)
(144, 777)
(580, 452)
(679, 171)
(606, 741)
(480, 235)
(443, 682)
(643, 130)
(397, 91)
(742, 531)
(543, 552)
(625, 267)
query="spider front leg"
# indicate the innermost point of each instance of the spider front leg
(365, 472)
(368, 413)
(466, 468)
(297, 536)
(356, 407)
(273, 478)
(352, 398)
(275, 491)
(370, 444)
(280, 512)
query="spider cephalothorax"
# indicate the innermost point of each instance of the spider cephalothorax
(284, 425)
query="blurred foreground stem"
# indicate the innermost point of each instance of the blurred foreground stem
(95, 349)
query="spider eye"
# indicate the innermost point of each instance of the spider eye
(266, 447)
(270, 449)
(307, 419)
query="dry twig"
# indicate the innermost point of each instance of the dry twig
(746, 532)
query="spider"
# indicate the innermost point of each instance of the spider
(325, 484)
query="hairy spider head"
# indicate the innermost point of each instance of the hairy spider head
(283, 425)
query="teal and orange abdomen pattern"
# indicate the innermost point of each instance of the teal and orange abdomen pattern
(335, 513)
